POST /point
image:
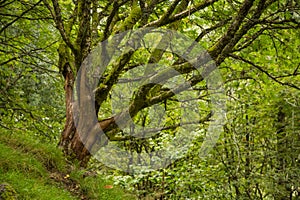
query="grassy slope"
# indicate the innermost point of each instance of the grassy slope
(37, 170)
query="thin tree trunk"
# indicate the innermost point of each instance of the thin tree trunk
(282, 193)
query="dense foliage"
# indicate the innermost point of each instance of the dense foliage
(31, 88)
(255, 45)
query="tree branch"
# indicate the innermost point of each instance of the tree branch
(19, 17)
(174, 126)
(181, 15)
(242, 31)
(59, 23)
(234, 27)
(107, 29)
(263, 71)
(22, 17)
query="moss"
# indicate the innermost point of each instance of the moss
(130, 21)
(7, 192)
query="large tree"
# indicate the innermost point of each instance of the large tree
(255, 45)
(225, 28)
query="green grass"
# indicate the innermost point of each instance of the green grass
(28, 165)
(92, 185)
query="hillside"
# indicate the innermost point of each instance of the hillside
(36, 169)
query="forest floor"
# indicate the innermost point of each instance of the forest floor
(36, 169)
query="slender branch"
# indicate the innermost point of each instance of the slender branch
(59, 23)
(236, 37)
(174, 126)
(169, 11)
(181, 15)
(6, 3)
(11, 59)
(205, 32)
(27, 53)
(22, 17)
(264, 71)
(280, 22)
(250, 40)
(114, 11)
(19, 17)
(208, 30)
(295, 71)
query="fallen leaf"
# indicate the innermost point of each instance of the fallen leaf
(108, 186)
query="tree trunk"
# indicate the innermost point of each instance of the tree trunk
(82, 138)
(282, 186)
(70, 141)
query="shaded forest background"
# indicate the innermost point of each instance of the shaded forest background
(255, 45)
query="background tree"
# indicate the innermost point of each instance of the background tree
(29, 75)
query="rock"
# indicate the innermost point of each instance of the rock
(7, 192)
